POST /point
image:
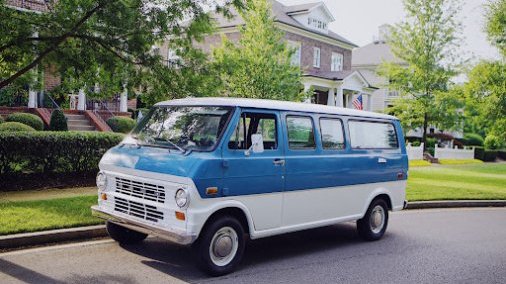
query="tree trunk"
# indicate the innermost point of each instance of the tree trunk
(424, 133)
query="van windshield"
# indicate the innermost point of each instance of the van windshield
(184, 128)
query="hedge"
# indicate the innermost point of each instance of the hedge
(53, 152)
(58, 121)
(27, 118)
(121, 124)
(14, 127)
(485, 155)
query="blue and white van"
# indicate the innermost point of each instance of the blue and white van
(210, 172)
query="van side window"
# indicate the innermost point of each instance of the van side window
(300, 133)
(254, 123)
(332, 134)
(372, 135)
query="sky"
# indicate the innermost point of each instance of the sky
(358, 21)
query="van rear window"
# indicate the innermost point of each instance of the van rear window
(372, 135)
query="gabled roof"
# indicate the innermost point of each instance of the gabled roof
(281, 14)
(275, 105)
(337, 75)
(373, 54)
(302, 7)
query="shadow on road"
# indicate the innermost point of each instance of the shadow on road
(178, 262)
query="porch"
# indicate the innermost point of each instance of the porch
(338, 88)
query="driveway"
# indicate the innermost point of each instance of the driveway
(426, 246)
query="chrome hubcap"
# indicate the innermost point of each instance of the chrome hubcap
(224, 245)
(377, 220)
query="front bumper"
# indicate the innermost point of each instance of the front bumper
(175, 236)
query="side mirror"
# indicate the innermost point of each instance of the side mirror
(257, 144)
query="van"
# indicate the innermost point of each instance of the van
(213, 172)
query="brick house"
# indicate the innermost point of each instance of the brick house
(323, 56)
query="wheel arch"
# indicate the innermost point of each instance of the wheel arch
(235, 211)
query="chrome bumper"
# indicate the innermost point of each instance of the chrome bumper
(175, 236)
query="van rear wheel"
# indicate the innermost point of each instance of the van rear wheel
(374, 224)
(123, 235)
(220, 246)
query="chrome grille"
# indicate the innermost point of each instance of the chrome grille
(136, 209)
(142, 190)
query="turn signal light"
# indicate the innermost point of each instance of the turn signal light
(103, 196)
(211, 190)
(180, 216)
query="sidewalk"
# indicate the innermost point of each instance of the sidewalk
(44, 194)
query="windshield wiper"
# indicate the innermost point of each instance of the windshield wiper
(171, 143)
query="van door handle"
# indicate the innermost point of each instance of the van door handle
(279, 162)
(382, 161)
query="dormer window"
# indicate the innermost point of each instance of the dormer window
(316, 24)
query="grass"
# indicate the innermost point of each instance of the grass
(418, 163)
(460, 162)
(38, 215)
(453, 182)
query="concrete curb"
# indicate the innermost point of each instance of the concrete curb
(455, 204)
(83, 233)
(52, 236)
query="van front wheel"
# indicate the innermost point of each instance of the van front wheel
(220, 246)
(374, 224)
(123, 235)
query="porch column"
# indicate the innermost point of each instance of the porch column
(339, 94)
(369, 102)
(123, 101)
(331, 98)
(32, 98)
(307, 86)
(81, 100)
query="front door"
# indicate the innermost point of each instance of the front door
(256, 179)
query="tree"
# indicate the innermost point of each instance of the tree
(426, 43)
(496, 24)
(486, 87)
(104, 42)
(258, 66)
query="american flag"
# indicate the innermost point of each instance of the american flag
(357, 103)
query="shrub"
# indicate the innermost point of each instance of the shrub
(27, 118)
(53, 152)
(14, 127)
(473, 139)
(489, 156)
(501, 154)
(58, 121)
(121, 124)
(492, 142)
(1, 119)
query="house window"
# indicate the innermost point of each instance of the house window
(296, 46)
(316, 57)
(337, 62)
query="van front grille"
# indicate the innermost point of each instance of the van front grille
(147, 191)
(136, 209)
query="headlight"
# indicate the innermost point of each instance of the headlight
(101, 181)
(181, 198)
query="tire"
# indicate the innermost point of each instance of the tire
(123, 235)
(373, 226)
(228, 232)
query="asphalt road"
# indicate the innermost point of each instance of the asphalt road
(427, 246)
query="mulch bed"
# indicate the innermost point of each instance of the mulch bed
(43, 181)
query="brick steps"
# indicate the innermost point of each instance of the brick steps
(78, 122)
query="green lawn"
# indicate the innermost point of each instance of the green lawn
(474, 181)
(30, 216)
